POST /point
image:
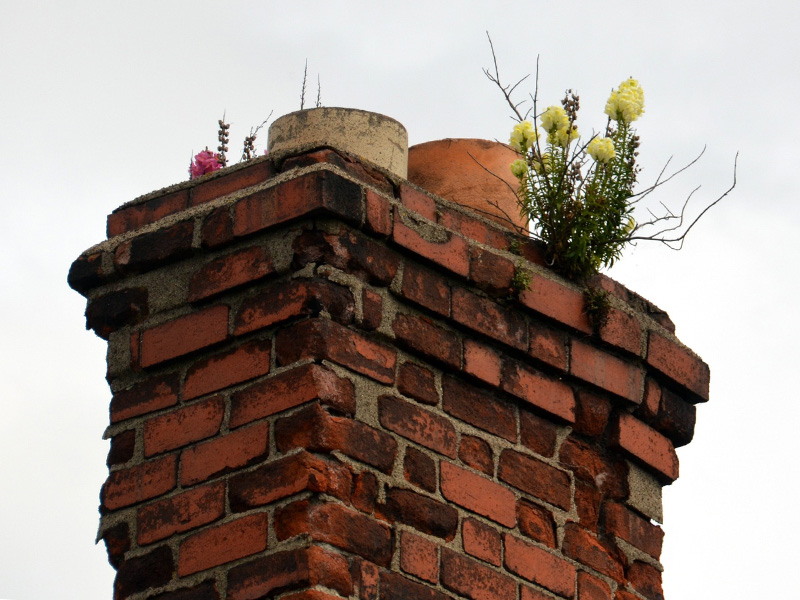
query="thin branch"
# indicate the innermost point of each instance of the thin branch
(303, 91)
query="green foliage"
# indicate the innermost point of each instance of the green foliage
(596, 306)
(521, 280)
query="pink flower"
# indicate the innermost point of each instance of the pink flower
(205, 161)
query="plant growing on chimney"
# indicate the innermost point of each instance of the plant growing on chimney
(207, 161)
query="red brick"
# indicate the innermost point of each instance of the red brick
(224, 453)
(183, 426)
(207, 590)
(419, 557)
(356, 170)
(482, 362)
(320, 192)
(420, 512)
(227, 368)
(592, 414)
(623, 331)
(336, 525)
(142, 572)
(145, 397)
(155, 249)
(621, 594)
(479, 408)
(417, 424)
(426, 288)
(491, 272)
(142, 482)
(223, 543)
(529, 593)
(548, 345)
(420, 469)
(676, 418)
(582, 546)
(288, 476)
(421, 335)
(314, 429)
(482, 541)
(539, 566)
(557, 301)
(679, 364)
(128, 218)
(379, 214)
(592, 588)
(349, 251)
(310, 595)
(418, 202)
(542, 392)
(232, 181)
(606, 371)
(646, 580)
(473, 229)
(87, 272)
(476, 453)
(536, 522)
(188, 510)
(489, 318)
(452, 252)
(651, 404)
(587, 504)
(184, 335)
(320, 339)
(291, 569)
(365, 492)
(369, 577)
(396, 587)
(122, 448)
(417, 382)
(472, 579)
(634, 529)
(592, 464)
(646, 444)
(536, 477)
(289, 389)
(110, 311)
(217, 228)
(371, 309)
(478, 494)
(233, 269)
(537, 434)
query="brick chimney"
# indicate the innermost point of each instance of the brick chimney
(329, 383)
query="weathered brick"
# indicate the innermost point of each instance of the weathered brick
(291, 569)
(350, 165)
(336, 525)
(606, 371)
(371, 309)
(538, 390)
(231, 181)
(646, 444)
(557, 301)
(310, 595)
(478, 494)
(646, 580)
(632, 528)
(288, 476)
(476, 453)
(144, 572)
(423, 336)
(675, 418)
(651, 403)
(316, 430)
(319, 192)
(185, 511)
(184, 335)
(536, 522)
(320, 339)
(417, 382)
(113, 310)
(419, 557)
(420, 512)
(539, 566)
(482, 362)
(481, 541)
(227, 368)
(529, 593)
(489, 318)
(472, 579)
(379, 214)
(474, 229)
(420, 469)
(418, 202)
(679, 364)
(133, 216)
(536, 477)
(592, 414)
(183, 426)
(118, 541)
(593, 464)
(592, 588)
(448, 251)
(86, 272)
(426, 288)
(224, 453)
(587, 504)
(229, 271)
(396, 587)
(537, 434)
(290, 389)
(223, 543)
(138, 483)
(155, 249)
(548, 345)
(207, 590)
(479, 408)
(217, 229)
(623, 331)
(491, 272)
(365, 492)
(122, 448)
(368, 576)
(417, 424)
(582, 546)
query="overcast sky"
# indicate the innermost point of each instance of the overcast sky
(103, 101)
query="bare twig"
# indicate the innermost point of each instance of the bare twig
(303, 91)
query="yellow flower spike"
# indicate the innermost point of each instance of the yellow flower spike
(519, 168)
(626, 103)
(601, 149)
(523, 136)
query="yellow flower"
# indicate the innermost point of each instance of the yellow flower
(601, 149)
(523, 136)
(626, 103)
(563, 137)
(545, 162)
(631, 225)
(519, 168)
(554, 118)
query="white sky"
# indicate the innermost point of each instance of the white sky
(104, 101)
